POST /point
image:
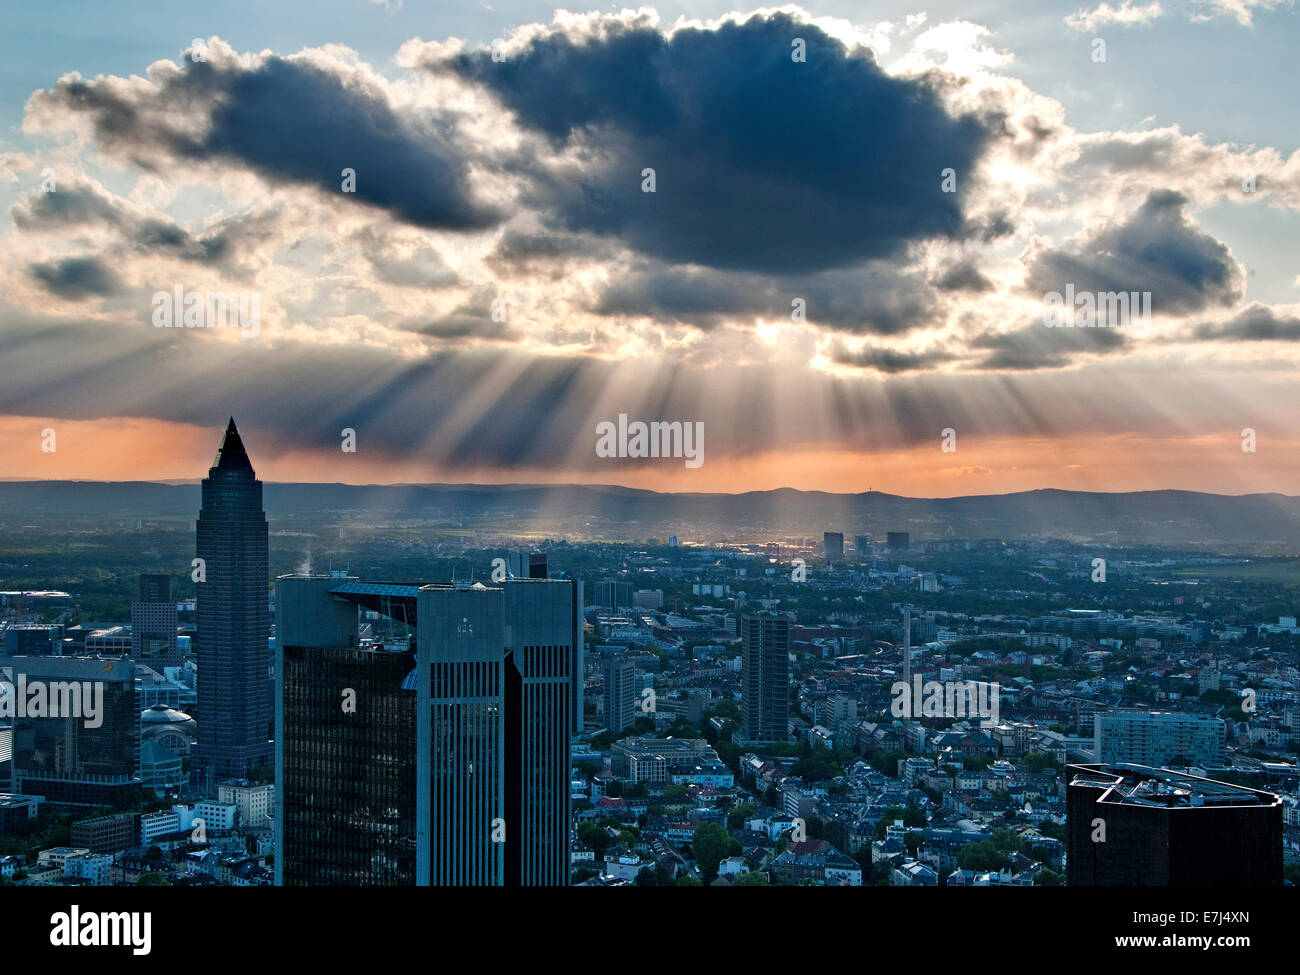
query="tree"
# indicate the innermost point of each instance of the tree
(751, 878)
(1048, 878)
(913, 840)
(736, 818)
(153, 880)
(710, 844)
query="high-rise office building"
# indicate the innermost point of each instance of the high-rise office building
(83, 747)
(765, 677)
(153, 623)
(833, 545)
(613, 594)
(622, 689)
(1133, 826)
(1158, 738)
(345, 745)
(898, 541)
(493, 711)
(234, 707)
(862, 546)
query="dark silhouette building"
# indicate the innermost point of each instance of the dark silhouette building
(234, 705)
(345, 744)
(1135, 826)
(491, 701)
(765, 677)
(833, 546)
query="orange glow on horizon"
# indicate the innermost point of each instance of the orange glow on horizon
(139, 449)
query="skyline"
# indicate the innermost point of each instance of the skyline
(495, 281)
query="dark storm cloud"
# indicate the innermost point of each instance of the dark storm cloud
(77, 278)
(1257, 323)
(1158, 249)
(290, 121)
(761, 163)
(1038, 347)
(859, 301)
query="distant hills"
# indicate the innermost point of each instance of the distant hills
(1259, 522)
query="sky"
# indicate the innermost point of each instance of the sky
(463, 237)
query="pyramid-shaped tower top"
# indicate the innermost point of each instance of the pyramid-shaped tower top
(231, 455)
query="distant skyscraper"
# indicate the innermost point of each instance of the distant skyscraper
(862, 546)
(1133, 826)
(898, 540)
(613, 594)
(493, 715)
(621, 692)
(233, 709)
(153, 623)
(833, 543)
(765, 677)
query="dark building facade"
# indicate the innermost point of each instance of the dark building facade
(898, 540)
(83, 748)
(1135, 826)
(483, 714)
(765, 677)
(234, 704)
(833, 546)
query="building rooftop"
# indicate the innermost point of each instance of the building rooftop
(1142, 785)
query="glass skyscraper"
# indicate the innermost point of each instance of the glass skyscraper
(485, 714)
(234, 706)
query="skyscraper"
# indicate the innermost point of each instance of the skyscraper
(833, 544)
(493, 714)
(234, 709)
(153, 623)
(621, 692)
(765, 677)
(345, 745)
(83, 746)
(1133, 826)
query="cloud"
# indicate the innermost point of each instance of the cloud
(888, 361)
(1129, 14)
(1255, 323)
(1038, 347)
(1158, 249)
(299, 120)
(761, 163)
(77, 278)
(1126, 14)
